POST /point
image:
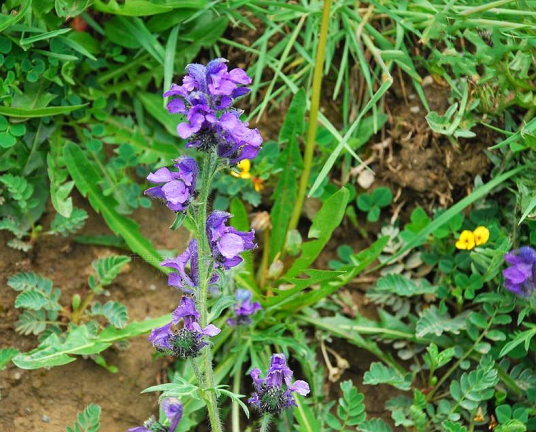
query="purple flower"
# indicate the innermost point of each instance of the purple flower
(187, 341)
(274, 393)
(244, 308)
(226, 243)
(520, 277)
(177, 187)
(186, 280)
(205, 98)
(173, 409)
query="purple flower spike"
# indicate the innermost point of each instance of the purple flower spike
(244, 308)
(206, 99)
(274, 393)
(173, 409)
(226, 243)
(186, 341)
(176, 187)
(520, 277)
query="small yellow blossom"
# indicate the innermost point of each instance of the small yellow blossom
(258, 184)
(481, 235)
(244, 166)
(466, 240)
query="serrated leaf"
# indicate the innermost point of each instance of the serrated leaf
(381, 374)
(87, 420)
(108, 268)
(433, 321)
(6, 354)
(402, 286)
(115, 312)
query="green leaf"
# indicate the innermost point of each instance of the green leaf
(402, 286)
(29, 280)
(451, 426)
(39, 112)
(381, 374)
(31, 322)
(325, 221)
(55, 352)
(86, 180)
(382, 196)
(32, 299)
(6, 354)
(294, 123)
(7, 140)
(137, 31)
(307, 419)
(65, 225)
(435, 359)
(240, 221)
(87, 420)
(115, 312)
(374, 425)
(433, 321)
(351, 407)
(364, 202)
(59, 193)
(511, 426)
(70, 8)
(7, 20)
(141, 7)
(519, 338)
(108, 268)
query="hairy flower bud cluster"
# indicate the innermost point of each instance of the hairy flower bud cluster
(243, 308)
(186, 341)
(274, 393)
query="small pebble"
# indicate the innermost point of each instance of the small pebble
(152, 287)
(45, 418)
(16, 376)
(414, 109)
(412, 96)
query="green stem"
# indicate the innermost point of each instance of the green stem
(265, 425)
(236, 389)
(313, 116)
(205, 268)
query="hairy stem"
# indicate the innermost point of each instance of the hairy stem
(265, 425)
(205, 268)
(313, 116)
(236, 389)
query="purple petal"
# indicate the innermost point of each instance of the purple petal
(155, 192)
(173, 410)
(160, 336)
(239, 76)
(518, 274)
(300, 387)
(176, 106)
(211, 330)
(161, 175)
(176, 192)
(230, 245)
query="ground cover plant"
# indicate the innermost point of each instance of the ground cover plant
(307, 216)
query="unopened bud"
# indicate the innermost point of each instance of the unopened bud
(261, 221)
(275, 270)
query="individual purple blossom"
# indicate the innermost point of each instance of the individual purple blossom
(187, 341)
(243, 308)
(184, 279)
(173, 410)
(520, 277)
(176, 187)
(274, 392)
(226, 243)
(205, 98)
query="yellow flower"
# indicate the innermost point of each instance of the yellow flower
(258, 183)
(481, 235)
(244, 166)
(466, 240)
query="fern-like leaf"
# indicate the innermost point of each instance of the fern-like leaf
(6, 354)
(475, 386)
(374, 425)
(19, 189)
(29, 280)
(31, 322)
(18, 244)
(401, 286)
(62, 225)
(381, 374)
(107, 270)
(88, 420)
(436, 322)
(351, 408)
(32, 299)
(115, 312)
(13, 226)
